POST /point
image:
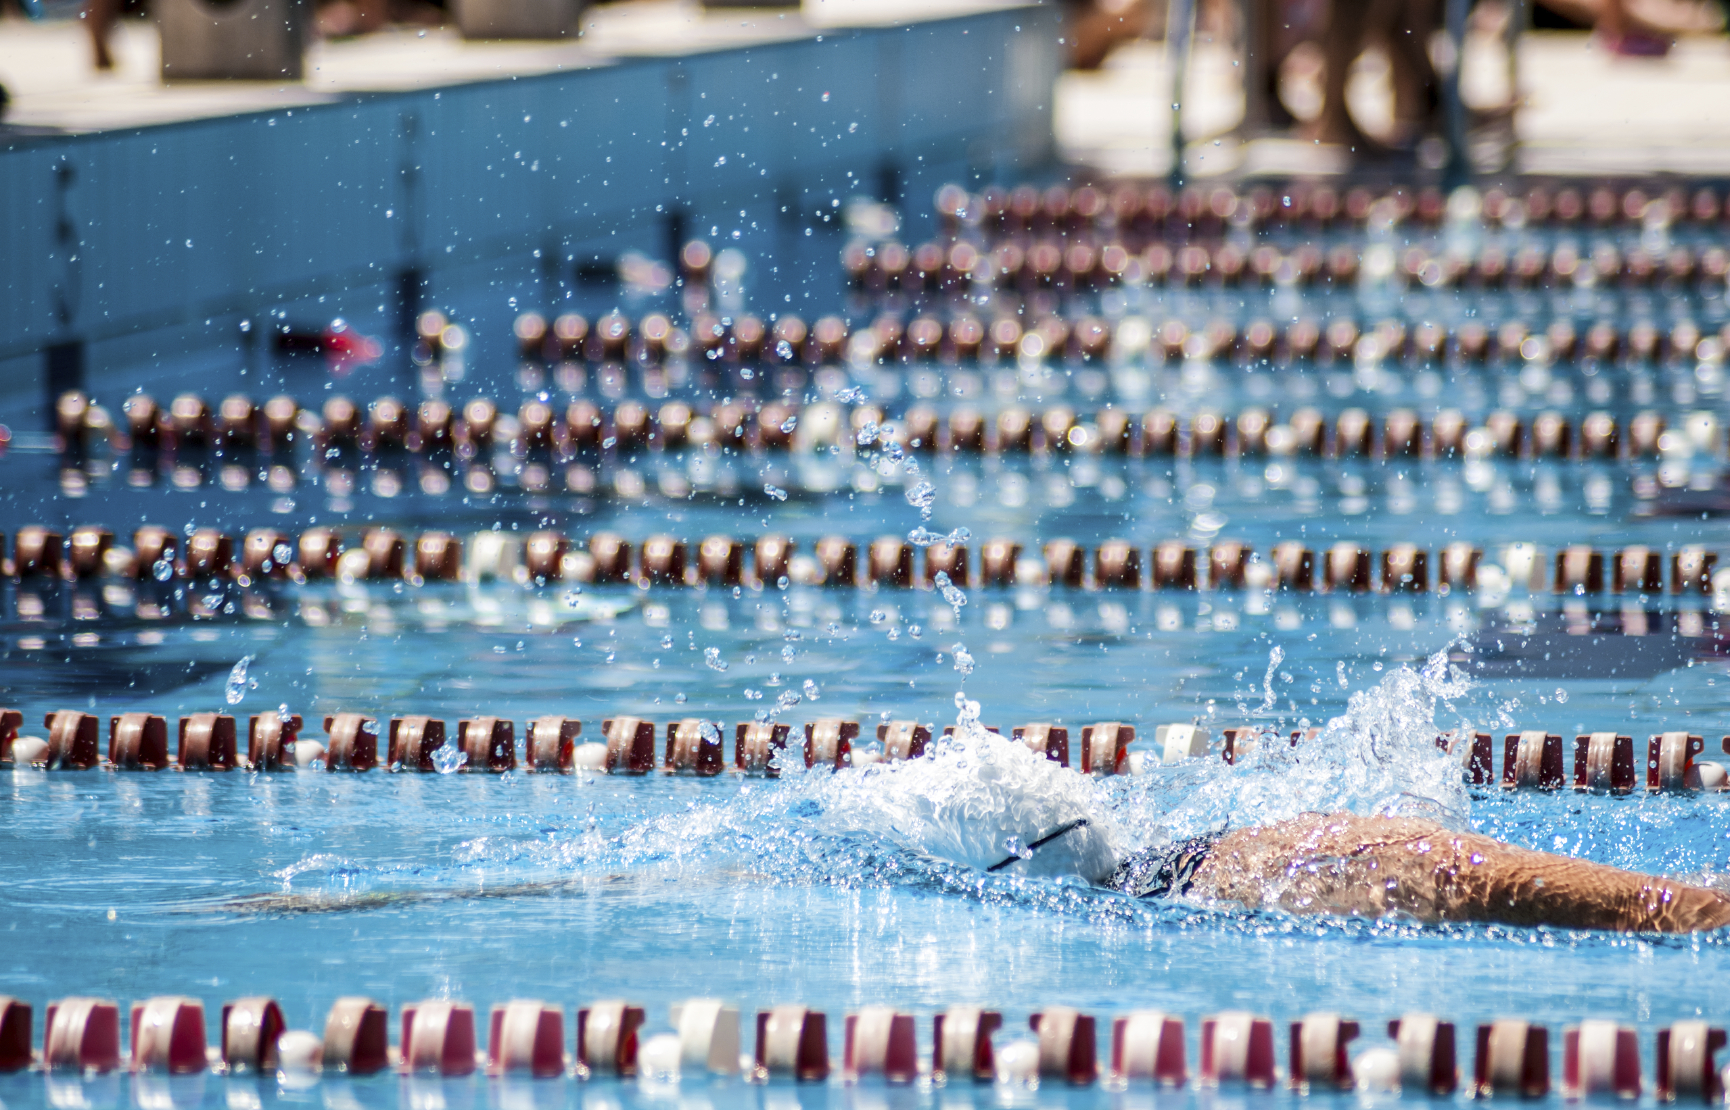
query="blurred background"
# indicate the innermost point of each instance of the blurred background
(198, 171)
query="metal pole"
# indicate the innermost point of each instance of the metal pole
(1179, 28)
(1459, 168)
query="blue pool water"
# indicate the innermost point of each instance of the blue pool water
(839, 891)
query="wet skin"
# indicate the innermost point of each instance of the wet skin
(1380, 866)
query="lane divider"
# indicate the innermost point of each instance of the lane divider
(1212, 209)
(1052, 259)
(609, 1040)
(361, 553)
(1599, 762)
(540, 428)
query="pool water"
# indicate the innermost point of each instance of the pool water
(859, 887)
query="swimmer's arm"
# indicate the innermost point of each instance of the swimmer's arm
(1520, 887)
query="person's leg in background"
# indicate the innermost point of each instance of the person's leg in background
(1342, 42)
(100, 17)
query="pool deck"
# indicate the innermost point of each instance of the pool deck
(56, 89)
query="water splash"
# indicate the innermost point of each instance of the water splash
(1275, 656)
(447, 760)
(952, 593)
(922, 496)
(1379, 757)
(238, 683)
(925, 537)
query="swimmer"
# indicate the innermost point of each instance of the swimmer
(1380, 866)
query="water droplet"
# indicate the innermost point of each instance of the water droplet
(925, 537)
(951, 592)
(447, 760)
(237, 681)
(712, 656)
(922, 496)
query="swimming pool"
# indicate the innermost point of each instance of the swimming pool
(831, 889)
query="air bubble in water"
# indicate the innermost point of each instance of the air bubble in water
(878, 616)
(709, 731)
(791, 422)
(162, 570)
(680, 698)
(1561, 696)
(850, 395)
(963, 661)
(667, 641)
(867, 433)
(810, 690)
(776, 492)
(712, 656)
(237, 681)
(572, 595)
(781, 583)
(282, 553)
(786, 701)
(753, 695)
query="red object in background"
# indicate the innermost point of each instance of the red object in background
(342, 346)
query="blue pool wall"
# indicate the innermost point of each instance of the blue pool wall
(126, 247)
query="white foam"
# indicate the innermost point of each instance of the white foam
(974, 800)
